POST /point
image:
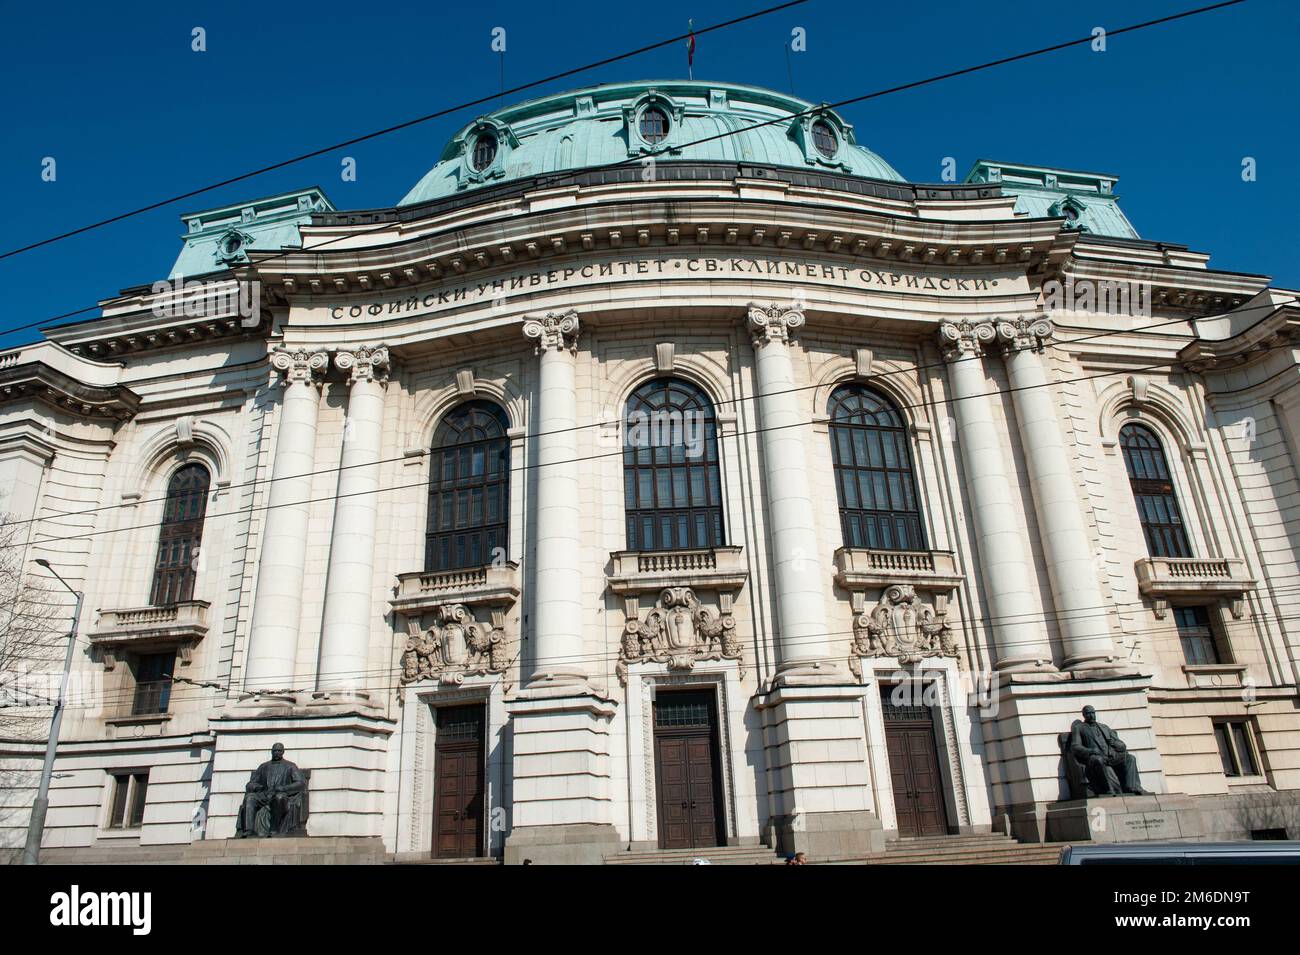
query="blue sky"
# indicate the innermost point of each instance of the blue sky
(131, 114)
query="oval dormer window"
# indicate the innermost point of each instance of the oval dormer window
(654, 125)
(232, 244)
(485, 151)
(1071, 214)
(824, 139)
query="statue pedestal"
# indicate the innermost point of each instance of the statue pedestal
(1022, 720)
(345, 754)
(815, 741)
(286, 850)
(1124, 819)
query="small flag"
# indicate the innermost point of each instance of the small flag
(690, 49)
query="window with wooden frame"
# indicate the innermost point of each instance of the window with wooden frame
(180, 535)
(469, 488)
(153, 683)
(672, 482)
(130, 790)
(1153, 492)
(875, 478)
(1237, 748)
(1199, 636)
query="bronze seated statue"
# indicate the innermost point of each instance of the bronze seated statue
(275, 799)
(1097, 762)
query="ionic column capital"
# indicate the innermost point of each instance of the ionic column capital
(299, 364)
(364, 363)
(554, 330)
(772, 323)
(1019, 334)
(965, 338)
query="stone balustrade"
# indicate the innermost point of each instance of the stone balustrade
(927, 570)
(180, 625)
(487, 585)
(1194, 578)
(710, 568)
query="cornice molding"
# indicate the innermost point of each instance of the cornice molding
(38, 381)
(1255, 343)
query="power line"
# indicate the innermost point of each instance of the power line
(254, 482)
(557, 177)
(402, 125)
(46, 539)
(606, 657)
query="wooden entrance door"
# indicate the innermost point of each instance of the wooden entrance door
(458, 782)
(688, 770)
(914, 769)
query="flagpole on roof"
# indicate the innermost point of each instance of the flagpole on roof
(690, 50)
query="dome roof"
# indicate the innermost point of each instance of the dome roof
(602, 125)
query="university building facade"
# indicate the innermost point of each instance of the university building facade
(665, 472)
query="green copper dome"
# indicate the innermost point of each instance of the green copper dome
(628, 122)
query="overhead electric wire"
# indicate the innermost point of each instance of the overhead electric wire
(618, 422)
(46, 539)
(560, 176)
(406, 124)
(126, 694)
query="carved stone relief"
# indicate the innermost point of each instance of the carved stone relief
(901, 625)
(455, 646)
(679, 632)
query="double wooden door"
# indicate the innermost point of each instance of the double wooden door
(914, 771)
(688, 770)
(458, 782)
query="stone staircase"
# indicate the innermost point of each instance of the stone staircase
(716, 855)
(965, 850)
(418, 858)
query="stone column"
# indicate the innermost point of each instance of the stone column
(814, 734)
(1019, 635)
(798, 563)
(557, 606)
(1076, 591)
(561, 810)
(345, 636)
(273, 633)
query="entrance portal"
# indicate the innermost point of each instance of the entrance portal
(458, 782)
(913, 764)
(687, 770)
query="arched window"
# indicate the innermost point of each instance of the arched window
(180, 535)
(1153, 490)
(469, 488)
(874, 477)
(672, 488)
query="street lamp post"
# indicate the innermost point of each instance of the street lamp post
(36, 825)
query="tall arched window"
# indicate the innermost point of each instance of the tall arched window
(1153, 490)
(874, 477)
(469, 488)
(180, 535)
(672, 488)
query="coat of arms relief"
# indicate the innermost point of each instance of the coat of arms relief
(456, 646)
(678, 632)
(901, 625)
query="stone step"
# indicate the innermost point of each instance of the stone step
(1047, 855)
(716, 855)
(927, 841)
(410, 859)
(991, 849)
(951, 848)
